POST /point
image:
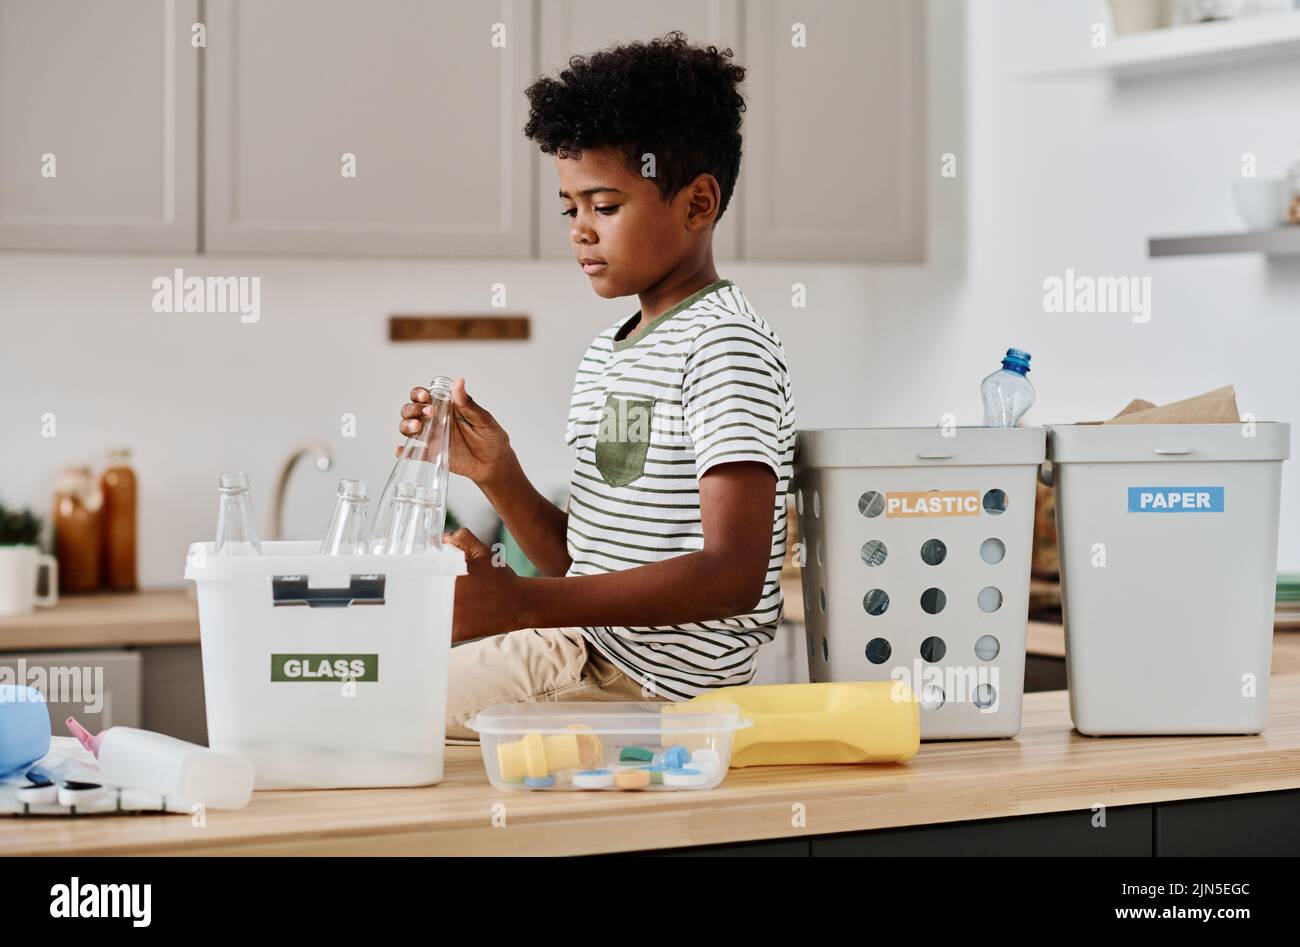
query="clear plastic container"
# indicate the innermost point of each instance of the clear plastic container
(647, 745)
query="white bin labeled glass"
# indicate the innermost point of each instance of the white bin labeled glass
(916, 556)
(618, 746)
(327, 671)
(1168, 542)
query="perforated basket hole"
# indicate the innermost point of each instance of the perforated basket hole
(990, 598)
(987, 647)
(985, 696)
(879, 650)
(932, 697)
(826, 650)
(992, 550)
(874, 552)
(871, 504)
(817, 505)
(821, 597)
(875, 602)
(933, 649)
(995, 502)
(820, 559)
(798, 501)
(933, 601)
(933, 552)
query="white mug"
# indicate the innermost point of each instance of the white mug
(19, 569)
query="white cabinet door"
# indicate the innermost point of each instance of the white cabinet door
(570, 27)
(98, 126)
(835, 131)
(426, 98)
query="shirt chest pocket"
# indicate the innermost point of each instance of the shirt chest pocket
(623, 438)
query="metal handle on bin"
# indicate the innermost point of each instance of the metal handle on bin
(932, 455)
(360, 590)
(1171, 451)
(1045, 474)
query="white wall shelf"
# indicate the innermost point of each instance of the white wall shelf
(1283, 241)
(1179, 49)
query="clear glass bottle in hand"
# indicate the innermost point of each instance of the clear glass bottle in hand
(424, 464)
(346, 535)
(236, 526)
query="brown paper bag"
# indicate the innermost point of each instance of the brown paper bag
(1214, 407)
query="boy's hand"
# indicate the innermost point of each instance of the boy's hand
(480, 447)
(487, 596)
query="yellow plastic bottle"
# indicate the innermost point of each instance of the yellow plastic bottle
(538, 756)
(861, 722)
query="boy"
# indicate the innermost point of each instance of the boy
(661, 578)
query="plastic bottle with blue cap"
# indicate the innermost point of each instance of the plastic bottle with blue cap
(1008, 393)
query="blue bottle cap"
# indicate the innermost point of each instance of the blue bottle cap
(539, 782)
(1016, 360)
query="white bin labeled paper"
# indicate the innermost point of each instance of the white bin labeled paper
(916, 565)
(327, 671)
(1168, 543)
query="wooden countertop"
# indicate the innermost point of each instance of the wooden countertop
(106, 620)
(1047, 768)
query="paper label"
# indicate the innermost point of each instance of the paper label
(1175, 499)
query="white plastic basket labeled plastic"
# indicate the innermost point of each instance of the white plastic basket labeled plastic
(1168, 542)
(327, 671)
(916, 557)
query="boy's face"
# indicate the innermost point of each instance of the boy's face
(625, 235)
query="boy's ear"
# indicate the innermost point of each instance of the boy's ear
(703, 198)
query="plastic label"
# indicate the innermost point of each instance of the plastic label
(933, 503)
(1175, 499)
(324, 667)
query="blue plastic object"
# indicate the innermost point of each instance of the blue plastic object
(24, 727)
(674, 757)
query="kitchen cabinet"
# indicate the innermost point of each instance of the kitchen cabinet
(834, 165)
(427, 99)
(172, 692)
(101, 689)
(98, 125)
(393, 128)
(570, 27)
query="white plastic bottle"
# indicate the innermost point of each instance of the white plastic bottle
(176, 770)
(1007, 393)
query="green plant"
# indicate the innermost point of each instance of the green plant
(19, 527)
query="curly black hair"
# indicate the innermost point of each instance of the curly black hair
(666, 97)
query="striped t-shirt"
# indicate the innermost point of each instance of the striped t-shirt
(705, 383)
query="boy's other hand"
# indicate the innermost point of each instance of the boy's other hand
(487, 595)
(480, 447)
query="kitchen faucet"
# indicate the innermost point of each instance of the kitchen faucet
(324, 461)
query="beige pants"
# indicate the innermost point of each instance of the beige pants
(533, 664)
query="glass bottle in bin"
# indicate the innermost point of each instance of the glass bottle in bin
(417, 524)
(424, 464)
(236, 526)
(347, 534)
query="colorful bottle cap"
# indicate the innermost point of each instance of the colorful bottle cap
(685, 778)
(675, 757)
(633, 779)
(707, 760)
(635, 754)
(539, 782)
(593, 779)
